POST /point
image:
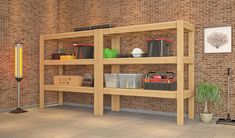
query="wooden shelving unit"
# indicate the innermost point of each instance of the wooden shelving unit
(60, 64)
(179, 27)
(70, 62)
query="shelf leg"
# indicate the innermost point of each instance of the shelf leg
(191, 108)
(61, 94)
(180, 73)
(61, 99)
(180, 111)
(42, 101)
(42, 92)
(98, 104)
(115, 103)
(191, 75)
(98, 73)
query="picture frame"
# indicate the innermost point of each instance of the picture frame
(218, 39)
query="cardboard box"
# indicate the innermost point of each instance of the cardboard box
(68, 80)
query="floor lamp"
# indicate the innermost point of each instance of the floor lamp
(18, 74)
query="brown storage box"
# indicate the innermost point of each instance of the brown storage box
(68, 80)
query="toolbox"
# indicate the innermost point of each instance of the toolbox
(160, 81)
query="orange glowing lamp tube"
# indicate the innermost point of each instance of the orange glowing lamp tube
(18, 61)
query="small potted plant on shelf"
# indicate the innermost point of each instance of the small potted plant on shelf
(207, 92)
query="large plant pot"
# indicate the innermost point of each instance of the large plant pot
(206, 117)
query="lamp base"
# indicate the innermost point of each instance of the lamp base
(226, 121)
(18, 111)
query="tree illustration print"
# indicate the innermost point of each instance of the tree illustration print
(217, 39)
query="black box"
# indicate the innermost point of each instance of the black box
(84, 51)
(56, 56)
(160, 86)
(158, 47)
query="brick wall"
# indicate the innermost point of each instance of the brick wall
(27, 19)
(209, 67)
(23, 21)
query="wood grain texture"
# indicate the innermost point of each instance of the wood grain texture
(68, 35)
(141, 92)
(61, 72)
(70, 62)
(140, 28)
(41, 95)
(146, 60)
(188, 26)
(98, 73)
(191, 104)
(115, 99)
(69, 88)
(61, 97)
(180, 73)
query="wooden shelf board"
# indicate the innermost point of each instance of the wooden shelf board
(140, 92)
(118, 61)
(70, 62)
(146, 93)
(140, 28)
(158, 32)
(68, 35)
(145, 60)
(69, 89)
(165, 27)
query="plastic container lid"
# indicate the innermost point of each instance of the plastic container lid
(164, 39)
(134, 74)
(76, 45)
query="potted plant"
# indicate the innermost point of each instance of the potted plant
(207, 92)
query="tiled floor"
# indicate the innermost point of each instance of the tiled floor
(74, 122)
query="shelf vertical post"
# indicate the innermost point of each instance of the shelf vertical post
(61, 72)
(115, 99)
(42, 93)
(180, 73)
(98, 72)
(191, 75)
(61, 94)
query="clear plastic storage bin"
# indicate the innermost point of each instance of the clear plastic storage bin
(111, 80)
(130, 81)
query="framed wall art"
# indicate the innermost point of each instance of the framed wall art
(218, 39)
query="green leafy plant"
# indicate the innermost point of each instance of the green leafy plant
(207, 92)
